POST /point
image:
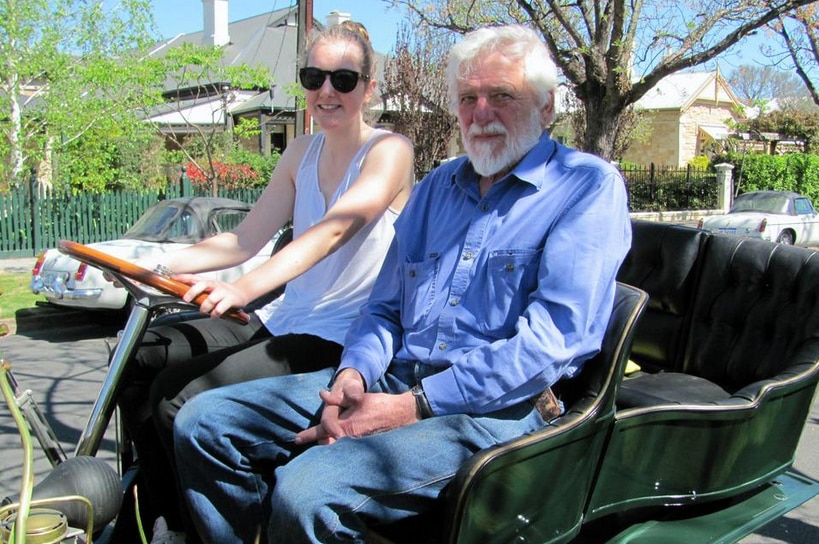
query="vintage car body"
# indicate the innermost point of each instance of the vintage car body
(166, 226)
(776, 216)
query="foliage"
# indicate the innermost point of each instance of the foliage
(653, 189)
(415, 84)
(66, 67)
(107, 157)
(246, 169)
(789, 124)
(263, 166)
(200, 75)
(797, 172)
(613, 52)
(700, 162)
(230, 175)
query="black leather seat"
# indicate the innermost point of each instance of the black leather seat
(749, 314)
(729, 350)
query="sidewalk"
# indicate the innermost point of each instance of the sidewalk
(17, 265)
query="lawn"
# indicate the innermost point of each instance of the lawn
(15, 294)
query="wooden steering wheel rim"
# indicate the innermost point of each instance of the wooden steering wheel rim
(131, 271)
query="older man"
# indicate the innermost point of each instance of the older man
(500, 281)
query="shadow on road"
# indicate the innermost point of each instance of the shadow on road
(55, 324)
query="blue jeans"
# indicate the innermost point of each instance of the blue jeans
(244, 477)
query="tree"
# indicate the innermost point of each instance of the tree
(415, 88)
(187, 76)
(759, 84)
(799, 30)
(612, 53)
(68, 68)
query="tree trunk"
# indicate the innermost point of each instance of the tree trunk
(602, 121)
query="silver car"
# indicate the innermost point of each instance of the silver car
(777, 216)
(166, 226)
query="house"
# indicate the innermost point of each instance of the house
(686, 114)
(268, 40)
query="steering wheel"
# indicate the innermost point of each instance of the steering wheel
(126, 269)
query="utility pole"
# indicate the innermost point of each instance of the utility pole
(305, 25)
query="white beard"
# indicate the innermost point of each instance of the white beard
(489, 158)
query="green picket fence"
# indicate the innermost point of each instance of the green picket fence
(32, 222)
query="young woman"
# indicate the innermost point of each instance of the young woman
(343, 188)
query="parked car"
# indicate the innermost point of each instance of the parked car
(166, 226)
(777, 216)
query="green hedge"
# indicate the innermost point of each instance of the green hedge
(797, 172)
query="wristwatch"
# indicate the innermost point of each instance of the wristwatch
(421, 401)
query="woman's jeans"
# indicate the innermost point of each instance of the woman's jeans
(243, 476)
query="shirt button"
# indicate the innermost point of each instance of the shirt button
(509, 267)
(454, 302)
(484, 207)
(412, 273)
(468, 256)
(442, 346)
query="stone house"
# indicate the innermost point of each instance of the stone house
(686, 114)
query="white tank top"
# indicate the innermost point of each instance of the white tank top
(325, 299)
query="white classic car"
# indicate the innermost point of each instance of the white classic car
(166, 226)
(777, 216)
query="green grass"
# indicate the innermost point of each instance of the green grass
(15, 294)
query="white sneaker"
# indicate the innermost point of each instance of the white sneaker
(162, 535)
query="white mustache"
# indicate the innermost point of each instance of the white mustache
(492, 128)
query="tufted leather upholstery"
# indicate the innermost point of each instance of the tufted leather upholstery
(665, 263)
(755, 314)
(726, 315)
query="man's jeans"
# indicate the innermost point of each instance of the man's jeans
(243, 476)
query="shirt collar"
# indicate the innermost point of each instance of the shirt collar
(529, 169)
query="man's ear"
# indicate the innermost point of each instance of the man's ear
(547, 112)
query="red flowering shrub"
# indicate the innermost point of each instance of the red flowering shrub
(229, 176)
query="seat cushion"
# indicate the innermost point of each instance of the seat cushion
(643, 389)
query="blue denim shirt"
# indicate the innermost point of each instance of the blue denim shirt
(501, 295)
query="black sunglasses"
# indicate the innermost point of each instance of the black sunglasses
(343, 81)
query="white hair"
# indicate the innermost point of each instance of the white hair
(518, 43)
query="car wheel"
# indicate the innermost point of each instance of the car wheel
(785, 237)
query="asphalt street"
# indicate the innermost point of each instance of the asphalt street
(61, 356)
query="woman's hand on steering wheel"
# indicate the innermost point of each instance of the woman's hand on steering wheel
(176, 286)
(221, 296)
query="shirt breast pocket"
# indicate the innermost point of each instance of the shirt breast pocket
(512, 276)
(420, 282)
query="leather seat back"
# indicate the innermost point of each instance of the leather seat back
(663, 261)
(755, 312)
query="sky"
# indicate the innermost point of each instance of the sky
(185, 16)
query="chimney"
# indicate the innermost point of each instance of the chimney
(335, 17)
(216, 22)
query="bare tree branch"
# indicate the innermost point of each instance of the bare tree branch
(595, 43)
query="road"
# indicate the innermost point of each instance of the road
(63, 365)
